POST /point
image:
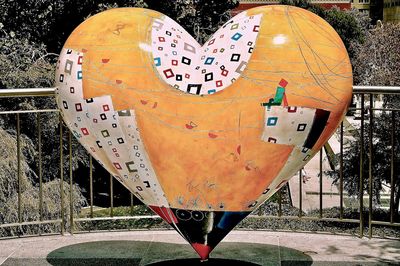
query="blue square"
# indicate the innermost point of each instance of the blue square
(211, 91)
(157, 61)
(209, 60)
(236, 36)
(272, 121)
(79, 75)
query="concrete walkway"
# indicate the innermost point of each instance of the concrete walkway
(168, 248)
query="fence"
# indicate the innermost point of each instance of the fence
(66, 218)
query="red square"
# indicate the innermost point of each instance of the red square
(114, 149)
(292, 109)
(80, 58)
(78, 107)
(161, 39)
(118, 166)
(211, 42)
(187, 76)
(168, 73)
(95, 120)
(224, 72)
(256, 28)
(85, 131)
(283, 83)
(215, 50)
(106, 108)
(174, 62)
(218, 83)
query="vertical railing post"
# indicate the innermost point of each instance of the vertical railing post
(60, 124)
(39, 131)
(370, 139)
(91, 184)
(392, 188)
(320, 183)
(131, 203)
(111, 196)
(19, 169)
(71, 188)
(279, 203)
(300, 193)
(341, 171)
(361, 181)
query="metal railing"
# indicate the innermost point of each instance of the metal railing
(67, 220)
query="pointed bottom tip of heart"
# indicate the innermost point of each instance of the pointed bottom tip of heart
(203, 250)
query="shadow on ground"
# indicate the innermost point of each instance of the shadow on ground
(163, 254)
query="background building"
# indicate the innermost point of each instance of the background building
(246, 4)
(391, 11)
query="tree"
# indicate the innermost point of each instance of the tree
(201, 18)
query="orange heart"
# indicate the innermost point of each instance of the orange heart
(204, 134)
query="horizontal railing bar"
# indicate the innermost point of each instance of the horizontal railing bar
(29, 111)
(385, 223)
(326, 219)
(27, 92)
(30, 223)
(117, 218)
(377, 89)
(37, 92)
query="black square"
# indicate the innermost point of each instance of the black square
(186, 61)
(203, 71)
(114, 125)
(208, 76)
(61, 77)
(222, 67)
(173, 45)
(178, 77)
(235, 57)
(301, 127)
(250, 50)
(168, 33)
(90, 100)
(197, 87)
(120, 140)
(103, 116)
(65, 104)
(98, 144)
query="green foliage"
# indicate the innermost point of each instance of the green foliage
(29, 189)
(51, 22)
(377, 60)
(201, 18)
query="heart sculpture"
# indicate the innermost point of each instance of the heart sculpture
(204, 134)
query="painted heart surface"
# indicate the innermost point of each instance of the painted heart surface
(204, 134)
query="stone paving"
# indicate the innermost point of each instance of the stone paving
(168, 248)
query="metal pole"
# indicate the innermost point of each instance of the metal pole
(111, 196)
(131, 204)
(61, 174)
(91, 184)
(279, 203)
(320, 183)
(392, 168)
(371, 115)
(300, 193)
(341, 171)
(71, 200)
(19, 169)
(40, 167)
(361, 183)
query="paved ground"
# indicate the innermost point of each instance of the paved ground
(168, 248)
